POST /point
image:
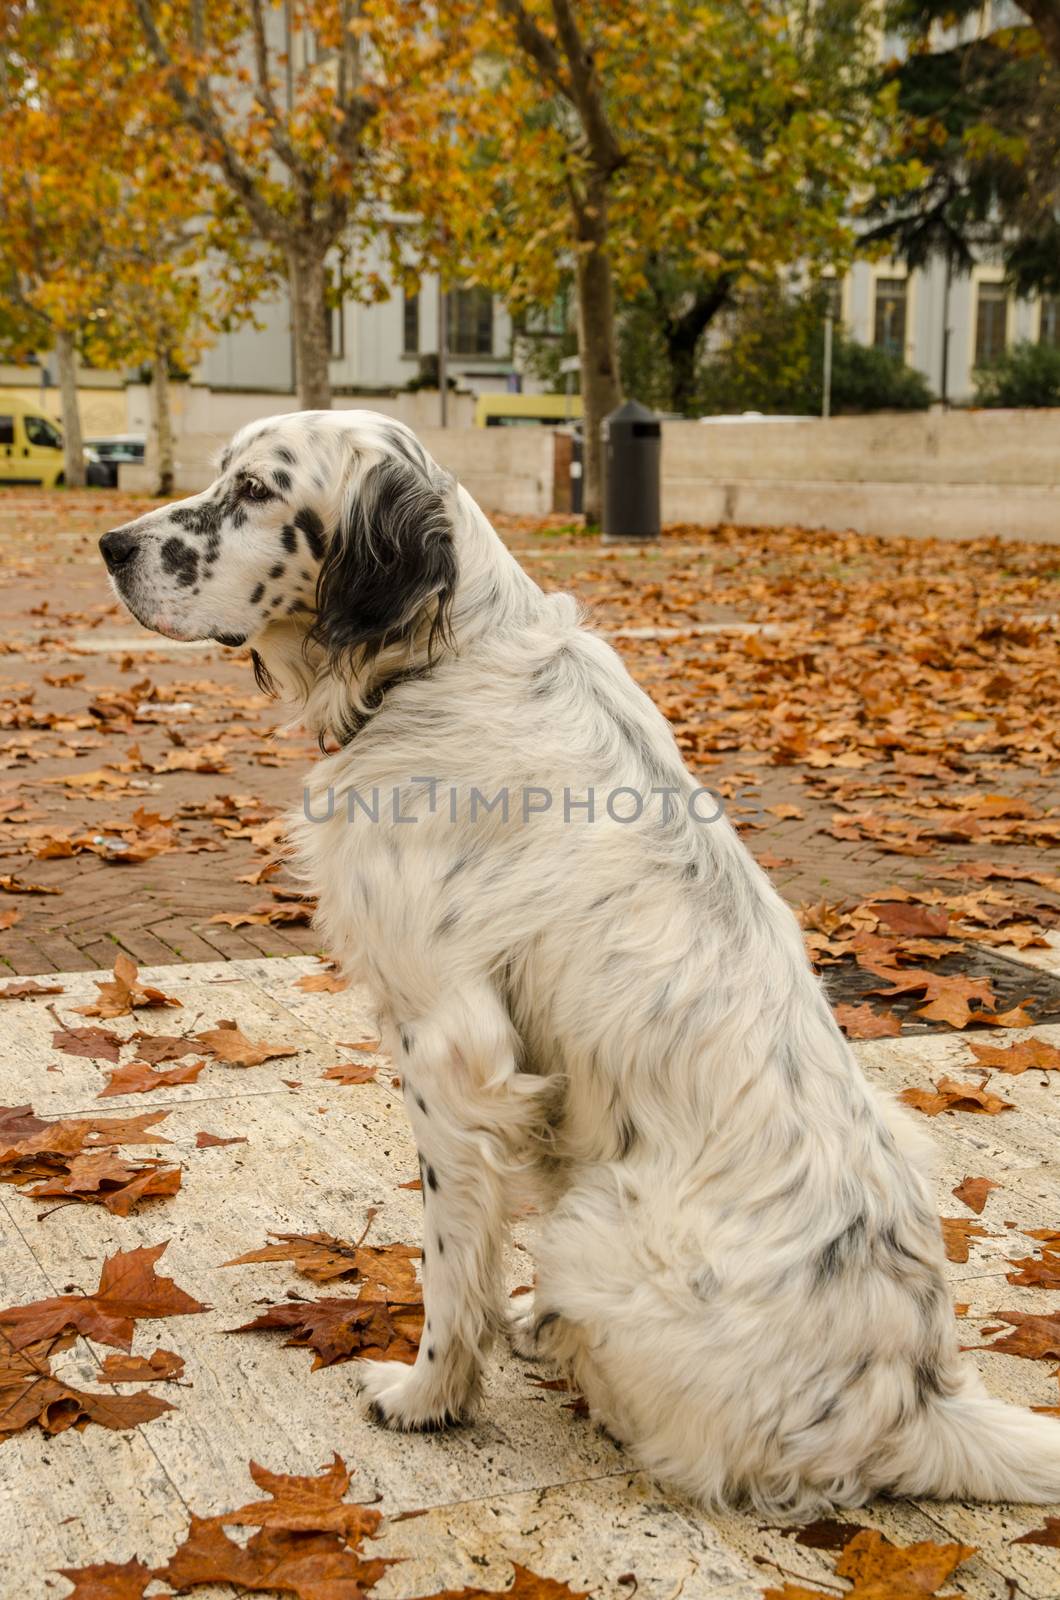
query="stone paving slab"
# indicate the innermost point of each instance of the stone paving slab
(526, 1481)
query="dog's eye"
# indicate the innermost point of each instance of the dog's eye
(254, 489)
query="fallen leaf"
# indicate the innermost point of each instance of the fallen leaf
(156, 1047)
(1037, 1338)
(12, 885)
(108, 1580)
(956, 1234)
(972, 1192)
(339, 1329)
(27, 986)
(949, 1095)
(100, 1178)
(30, 1393)
(525, 1585)
(129, 1289)
(100, 1044)
(139, 1078)
(161, 1366)
(1036, 1272)
(1048, 1535)
(322, 983)
(1028, 1054)
(862, 1022)
(351, 1072)
(912, 920)
(212, 1141)
(324, 1258)
(125, 993)
(228, 1044)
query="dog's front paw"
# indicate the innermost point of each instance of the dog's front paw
(521, 1325)
(409, 1400)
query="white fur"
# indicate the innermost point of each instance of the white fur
(740, 1259)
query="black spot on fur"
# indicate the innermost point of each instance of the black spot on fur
(421, 1102)
(198, 520)
(840, 1253)
(313, 529)
(281, 479)
(290, 539)
(285, 455)
(430, 1352)
(278, 570)
(627, 1135)
(180, 561)
(276, 601)
(259, 590)
(447, 923)
(432, 1179)
(441, 1245)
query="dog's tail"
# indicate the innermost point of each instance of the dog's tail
(969, 1446)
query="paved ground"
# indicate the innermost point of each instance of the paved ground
(873, 712)
(880, 718)
(529, 1482)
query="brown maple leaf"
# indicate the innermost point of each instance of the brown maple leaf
(862, 1022)
(129, 1289)
(28, 986)
(972, 1192)
(163, 1365)
(1036, 1272)
(1048, 1535)
(30, 1393)
(108, 1580)
(1028, 1054)
(912, 920)
(9, 884)
(525, 1585)
(213, 1141)
(351, 1072)
(322, 983)
(100, 1044)
(880, 1570)
(307, 1541)
(101, 1178)
(137, 1077)
(956, 1234)
(229, 1044)
(949, 1095)
(156, 1047)
(388, 1268)
(117, 998)
(1037, 1338)
(341, 1328)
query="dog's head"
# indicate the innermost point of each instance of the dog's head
(334, 523)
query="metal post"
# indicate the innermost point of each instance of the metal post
(944, 385)
(826, 397)
(443, 355)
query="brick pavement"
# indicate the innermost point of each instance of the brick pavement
(57, 619)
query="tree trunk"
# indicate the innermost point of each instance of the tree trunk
(73, 446)
(307, 275)
(681, 335)
(163, 420)
(597, 351)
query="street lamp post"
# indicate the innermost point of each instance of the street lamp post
(830, 308)
(443, 354)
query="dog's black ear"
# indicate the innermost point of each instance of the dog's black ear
(390, 558)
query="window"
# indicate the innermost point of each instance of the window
(470, 322)
(991, 323)
(40, 431)
(1049, 326)
(7, 430)
(889, 332)
(410, 334)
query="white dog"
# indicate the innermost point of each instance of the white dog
(594, 996)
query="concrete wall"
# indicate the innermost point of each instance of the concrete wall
(955, 475)
(505, 469)
(198, 410)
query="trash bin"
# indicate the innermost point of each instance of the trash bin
(632, 461)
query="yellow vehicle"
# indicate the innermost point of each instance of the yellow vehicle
(519, 410)
(31, 446)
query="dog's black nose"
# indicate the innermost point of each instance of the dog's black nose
(117, 548)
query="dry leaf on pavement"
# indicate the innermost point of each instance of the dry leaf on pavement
(1037, 1338)
(972, 1192)
(227, 1043)
(129, 1289)
(1028, 1054)
(108, 1580)
(162, 1366)
(123, 994)
(862, 1022)
(956, 1234)
(30, 1393)
(949, 1095)
(137, 1077)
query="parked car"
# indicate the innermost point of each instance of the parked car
(116, 449)
(31, 447)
